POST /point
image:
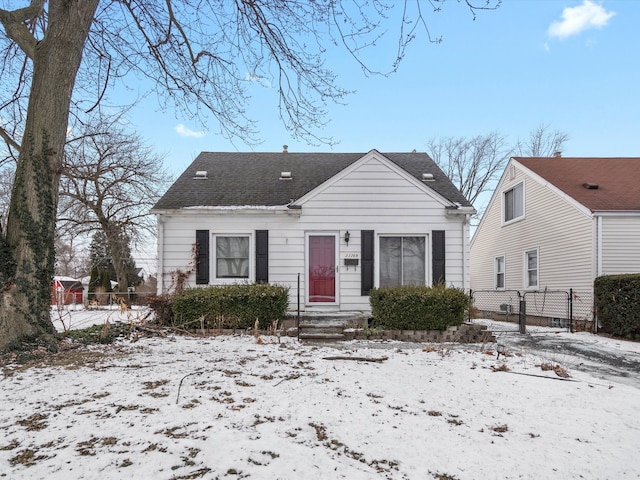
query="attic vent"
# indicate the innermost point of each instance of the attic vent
(591, 186)
(286, 176)
(201, 174)
(427, 177)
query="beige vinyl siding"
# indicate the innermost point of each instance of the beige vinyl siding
(371, 196)
(561, 232)
(620, 245)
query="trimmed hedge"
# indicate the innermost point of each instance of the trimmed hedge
(230, 306)
(419, 307)
(618, 304)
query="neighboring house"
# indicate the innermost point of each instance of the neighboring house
(66, 291)
(337, 224)
(558, 223)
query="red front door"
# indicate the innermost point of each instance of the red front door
(322, 269)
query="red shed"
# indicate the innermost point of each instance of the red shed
(66, 291)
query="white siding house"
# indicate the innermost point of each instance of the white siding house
(558, 223)
(335, 224)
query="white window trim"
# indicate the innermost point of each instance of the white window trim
(525, 278)
(427, 254)
(502, 203)
(213, 267)
(495, 272)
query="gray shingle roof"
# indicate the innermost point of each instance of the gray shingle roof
(253, 179)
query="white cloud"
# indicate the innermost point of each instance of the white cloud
(249, 77)
(577, 19)
(186, 132)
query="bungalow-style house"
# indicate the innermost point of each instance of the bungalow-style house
(334, 224)
(66, 291)
(558, 223)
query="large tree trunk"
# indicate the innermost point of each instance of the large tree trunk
(116, 241)
(26, 291)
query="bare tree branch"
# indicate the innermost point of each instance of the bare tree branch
(9, 140)
(15, 25)
(474, 164)
(542, 142)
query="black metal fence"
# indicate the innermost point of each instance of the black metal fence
(549, 308)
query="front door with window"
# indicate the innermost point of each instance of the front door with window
(321, 272)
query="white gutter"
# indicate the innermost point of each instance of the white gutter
(231, 210)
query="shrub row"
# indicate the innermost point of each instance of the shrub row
(618, 304)
(230, 306)
(419, 307)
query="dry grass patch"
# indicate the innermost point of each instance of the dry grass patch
(559, 371)
(34, 422)
(500, 428)
(154, 385)
(26, 457)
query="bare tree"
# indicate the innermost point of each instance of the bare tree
(69, 260)
(472, 164)
(475, 164)
(542, 142)
(110, 181)
(59, 56)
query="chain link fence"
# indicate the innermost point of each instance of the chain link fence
(97, 300)
(513, 310)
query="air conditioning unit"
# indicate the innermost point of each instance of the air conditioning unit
(506, 307)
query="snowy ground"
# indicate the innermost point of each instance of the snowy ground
(240, 407)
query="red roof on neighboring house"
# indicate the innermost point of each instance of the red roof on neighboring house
(600, 184)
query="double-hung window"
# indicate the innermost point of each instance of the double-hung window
(232, 256)
(402, 261)
(513, 203)
(531, 268)
(499, 272)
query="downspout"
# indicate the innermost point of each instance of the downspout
(599, 245)
(465, 230)
(598, 262)
(159, 253)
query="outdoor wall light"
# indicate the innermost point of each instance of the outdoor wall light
(347, 236)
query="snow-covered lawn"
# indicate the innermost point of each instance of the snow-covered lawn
(241, 407)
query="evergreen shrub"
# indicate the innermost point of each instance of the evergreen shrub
(230, 306)
(617, 299)
(411, 307)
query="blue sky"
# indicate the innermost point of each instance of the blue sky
(569, 64)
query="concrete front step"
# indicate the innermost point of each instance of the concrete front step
(324, 332)
(322, 337)
(343, 319)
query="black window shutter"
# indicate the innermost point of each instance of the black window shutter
(366, 253)
(262, 256)
(438, 254)
(202, 257)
